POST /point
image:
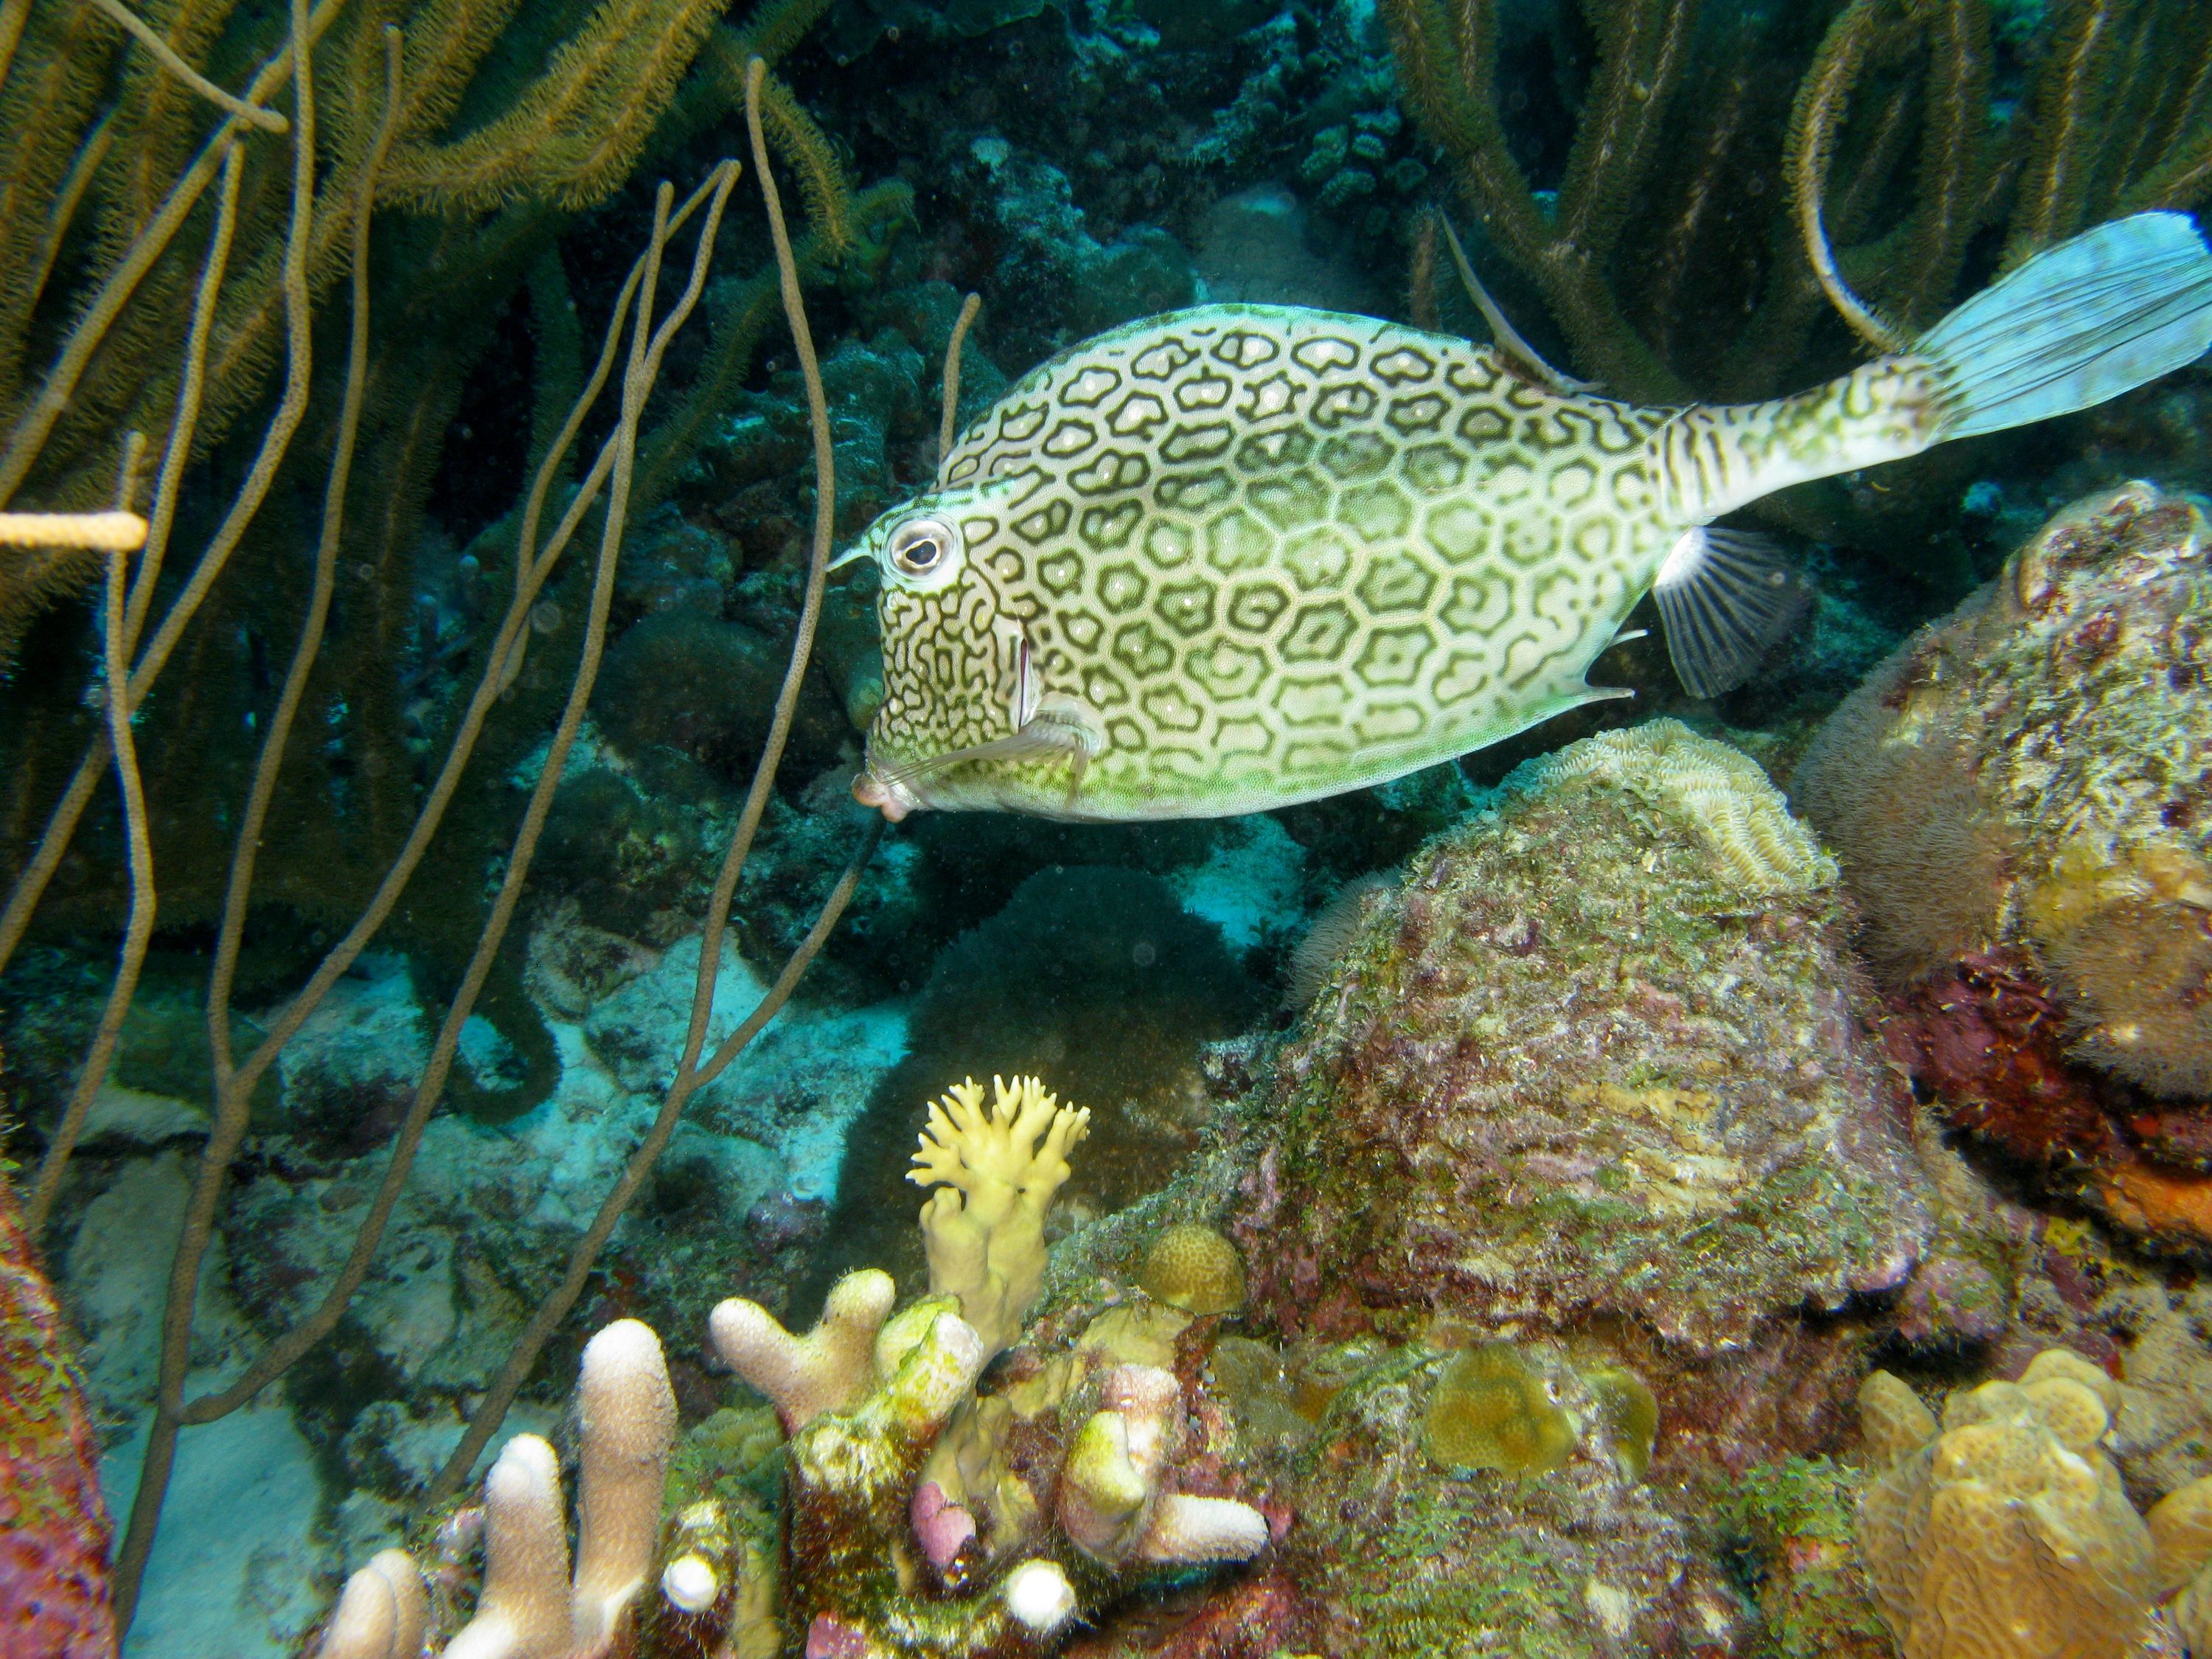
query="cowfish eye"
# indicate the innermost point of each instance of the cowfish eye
(925, 549)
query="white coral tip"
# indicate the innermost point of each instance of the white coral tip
(1039, 1597)
(1190, 1529)
(690, 1584)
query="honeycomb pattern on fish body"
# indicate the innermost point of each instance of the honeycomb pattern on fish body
(1271, 547)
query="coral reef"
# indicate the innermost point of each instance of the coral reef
(1545, 1183)
(54, 1535)
(921, 1513)
(1631, 1087)
(2016, 798)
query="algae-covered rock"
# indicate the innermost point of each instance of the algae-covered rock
(54, 1535)
(1599, 1067)
(2019, 799)
(1583, 1124)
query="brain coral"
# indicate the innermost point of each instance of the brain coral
(2033, 774)
(2006, 1534)
(1598, 1071)
(1719, 791)
(1194, 1268)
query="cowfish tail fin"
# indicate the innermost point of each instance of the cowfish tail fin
(2087, 320)
(2094, 317)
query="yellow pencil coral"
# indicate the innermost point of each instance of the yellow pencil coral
(984, 1228)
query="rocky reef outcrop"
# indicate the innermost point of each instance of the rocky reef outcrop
(1563, 1211)
(1599, 1063)
(2022, 800)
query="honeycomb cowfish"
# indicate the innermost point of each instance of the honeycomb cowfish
(1242, 555)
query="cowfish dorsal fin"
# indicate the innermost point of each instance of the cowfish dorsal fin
(1725, 597)
(1508, 339)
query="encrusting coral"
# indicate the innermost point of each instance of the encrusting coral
(2004, 1532)
(922, 1516)
(1491, 1410)
(53, 1527)
(2019, 798)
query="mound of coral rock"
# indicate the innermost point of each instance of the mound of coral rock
(1567, 1202)
(2022, 800)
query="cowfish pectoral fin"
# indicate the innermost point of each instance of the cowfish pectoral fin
(1051, 735)
(1725, 597)
(2095, 316)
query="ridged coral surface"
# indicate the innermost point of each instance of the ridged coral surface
(53, 1527)
(2006, 1534)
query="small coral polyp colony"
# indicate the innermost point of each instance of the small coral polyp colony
(922, 1516)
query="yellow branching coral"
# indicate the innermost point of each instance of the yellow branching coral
(2004, 1534)
(984, 1228)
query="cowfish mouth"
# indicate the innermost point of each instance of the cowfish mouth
(893, 800)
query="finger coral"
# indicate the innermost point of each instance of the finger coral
(2005, 1534)
(919, 1513)
(529, 1608)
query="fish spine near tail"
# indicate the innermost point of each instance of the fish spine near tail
(2080, 323)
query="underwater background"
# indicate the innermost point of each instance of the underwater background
(1706, 1175)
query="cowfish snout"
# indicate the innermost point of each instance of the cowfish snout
(891, 799)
